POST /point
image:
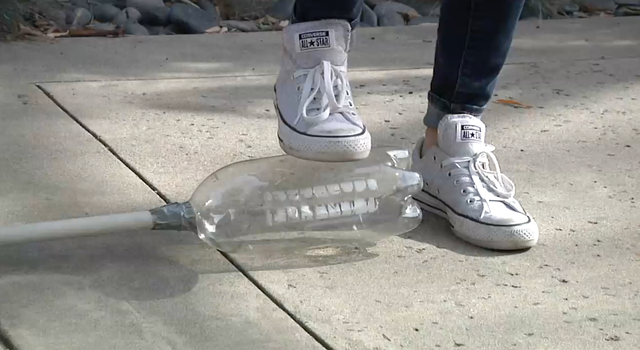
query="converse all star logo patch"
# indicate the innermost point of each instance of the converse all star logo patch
(316, 40)
(469, 133)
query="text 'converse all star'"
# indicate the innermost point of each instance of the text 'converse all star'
(460, 185)
(317, 119)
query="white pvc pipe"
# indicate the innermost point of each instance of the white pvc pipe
(89, 226)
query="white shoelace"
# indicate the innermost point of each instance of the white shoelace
(489, 184)
(331, 84)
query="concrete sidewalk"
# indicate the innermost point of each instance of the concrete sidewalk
(177, 108)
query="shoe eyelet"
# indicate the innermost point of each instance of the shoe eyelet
(449, 174)
(350, 104)
(456, 182)
(435, 158)
(471, 201)
(463, 191)
(426, 184)
(441, 166)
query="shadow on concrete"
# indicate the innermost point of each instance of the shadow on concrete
(123, 266)
(147, 266)
(437, 232)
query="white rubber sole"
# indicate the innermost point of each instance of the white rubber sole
(323, 149)
(524, 236)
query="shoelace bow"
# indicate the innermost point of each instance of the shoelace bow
(331, 84)
(489, 184)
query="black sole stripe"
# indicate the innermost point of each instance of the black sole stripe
(468, 217)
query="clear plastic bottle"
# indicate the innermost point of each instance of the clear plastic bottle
(282, 198)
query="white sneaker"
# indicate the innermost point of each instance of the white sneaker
(317, 117)
(460, 186)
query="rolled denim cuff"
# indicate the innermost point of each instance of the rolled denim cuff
(438, 108)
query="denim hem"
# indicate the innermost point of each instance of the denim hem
(438, 108)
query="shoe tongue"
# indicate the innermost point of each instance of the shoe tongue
(461, 135)
(310, 43)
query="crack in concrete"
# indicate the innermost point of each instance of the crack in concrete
(167, 200)
(104, 143)
(5, 341)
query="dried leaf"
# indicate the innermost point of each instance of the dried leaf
(24, 30)
(88, 32)
(267, 20)
(58, 35)
(512, 103)
(271, 20)
(41, 22)
(408, 16)
(213, 30)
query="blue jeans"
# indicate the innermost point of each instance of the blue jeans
(474, 38)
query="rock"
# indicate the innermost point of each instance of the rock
(429, 10)
(103, 26)
(388, 17)
(368, 16)
(210, 8)
(407, 12)
(68, 16)
(171, 29)
(133, 28)
(80, 3)
(144, 5)
(243, 26)
(537, 9)
(117, 3)
(373, 3)
(155, 30)
(596, 5)
(81, 17)
(59, 17)
(243, 9)
(191, 20)
(282, 9)
(121, 4)
(424, 20)
(570, 8)
(627, 10)
(157, 16)
(128, 15)
(105, 13)
(580, 14)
